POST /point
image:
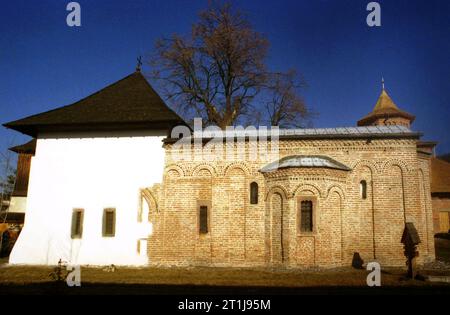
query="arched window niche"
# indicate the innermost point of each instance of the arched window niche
(363, 189)
(254, 193)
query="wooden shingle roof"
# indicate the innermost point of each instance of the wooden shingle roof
(128, 104)
(385, 107)
(29, 147)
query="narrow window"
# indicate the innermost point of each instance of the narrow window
(109, 222)
(77, 223)
(363, 188)
(306, 216)
(253, 193)
(203, 220)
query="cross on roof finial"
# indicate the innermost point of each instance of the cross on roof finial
(139, 64)
(382, 82)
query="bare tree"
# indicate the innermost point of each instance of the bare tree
(218, 71)
(285, 107)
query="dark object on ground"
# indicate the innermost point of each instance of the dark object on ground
(4, 244)
(442, 247)
(59, 273)
(7, 240)
(357, 261)
(410, 239)
(445, 236)
(421, 277)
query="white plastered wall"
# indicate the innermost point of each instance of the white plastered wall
(91, 172)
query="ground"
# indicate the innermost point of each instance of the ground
(206, 280)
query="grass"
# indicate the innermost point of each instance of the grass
(208, 276)
(201, 281)
(206, 280)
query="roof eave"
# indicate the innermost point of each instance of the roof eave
(35, 130)
(369, 136)
(307, 167)
(374, 116)
(26, 148)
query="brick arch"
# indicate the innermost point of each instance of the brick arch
(204, 166)
(309, 187)
(150, 198)
(339, 193)
(236, 165)
(365, 163)
(277, 189)
(275, 212)
(358, 177)
(175, 167)
(338, 190)
(396, 162)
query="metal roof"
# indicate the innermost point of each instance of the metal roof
(307, 161)
(342, 131)
(251, 133)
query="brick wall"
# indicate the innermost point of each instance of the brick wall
(268, 233)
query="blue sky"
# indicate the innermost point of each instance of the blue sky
(45, 64)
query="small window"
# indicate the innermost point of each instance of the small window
(109, 222)
(306, 216)
(77, 223)
(253, 193)
(203, 220)
(363, 189)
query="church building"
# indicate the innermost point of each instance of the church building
(113, 182)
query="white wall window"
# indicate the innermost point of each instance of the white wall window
(109, 222)
(77, 223)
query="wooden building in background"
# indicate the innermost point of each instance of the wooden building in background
(440, 194)
(18, 203)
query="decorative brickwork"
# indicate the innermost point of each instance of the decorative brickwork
(268, 233)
